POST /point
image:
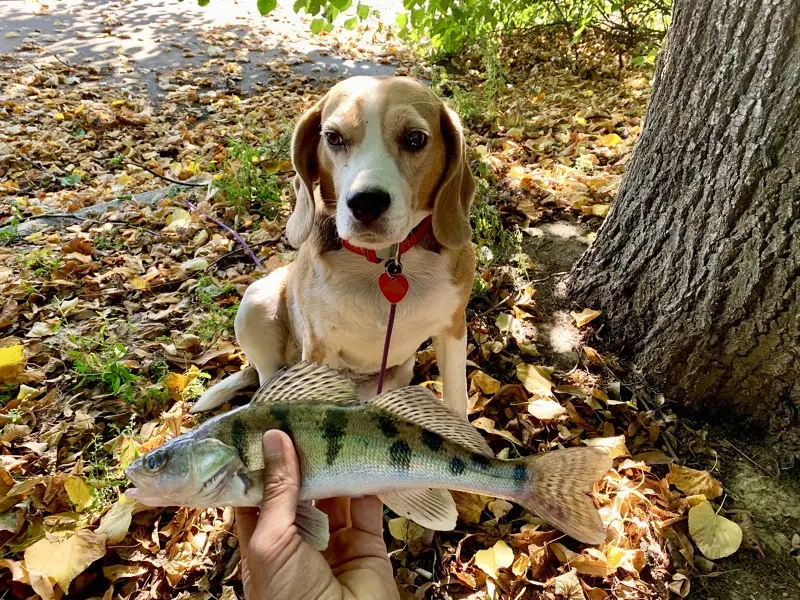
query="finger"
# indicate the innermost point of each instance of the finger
(246, 519)
(367, 514)
(338, 511)
(281, 489)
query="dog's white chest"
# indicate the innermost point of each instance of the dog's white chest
(354, 314)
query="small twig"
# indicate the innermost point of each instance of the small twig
(763, 469)
(63, 62)
(234, 233)
(164, 177)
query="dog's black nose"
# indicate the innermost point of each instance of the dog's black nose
(368, 205)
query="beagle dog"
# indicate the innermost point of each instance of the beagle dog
(380, 162)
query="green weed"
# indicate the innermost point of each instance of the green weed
(217, 320)
(105, 369)
(42, 262)
(248, 181)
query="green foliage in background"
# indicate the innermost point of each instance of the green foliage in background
(447, 26)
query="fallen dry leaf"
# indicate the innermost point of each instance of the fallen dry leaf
(715, 536)
(75, 552)
(586, 316)
(545, 409)
(404, 530)
(499, 556)
(615, 445)
(79, 492)
(116, 522)
(692, 481)
(535, 379)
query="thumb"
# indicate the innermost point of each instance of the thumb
(281, 487)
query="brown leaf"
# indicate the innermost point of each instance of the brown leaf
(470, 506)
(692, 481)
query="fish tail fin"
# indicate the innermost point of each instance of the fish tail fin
(226, 389)
(558, 486)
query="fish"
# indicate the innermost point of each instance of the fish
(406, 446)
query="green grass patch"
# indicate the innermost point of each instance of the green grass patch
(248, 181)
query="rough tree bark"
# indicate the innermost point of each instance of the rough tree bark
(696, 268)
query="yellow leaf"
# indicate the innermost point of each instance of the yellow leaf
(178, 218)
(600, 210)
(11, 355)
(115, 523)
(117, 102)
(715, 536)
(611, 140)
(520, 565)
(499, 556)
(115, 572)
(693, 482)
(587, 315)
(545, 409)
(11, 362)
(79, 492)
(176, 383)
(404, 530)
(63, 556)
(615, 445)
(58, 116)
(487, 384)
(487, 425)
(517, 172)
(535, 379)
(137, 283)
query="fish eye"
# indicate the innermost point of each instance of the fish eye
(155, 461)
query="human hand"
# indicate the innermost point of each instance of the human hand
(278, 565)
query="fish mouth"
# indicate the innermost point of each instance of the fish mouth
(210, 492)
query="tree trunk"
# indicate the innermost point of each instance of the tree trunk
(696, 268)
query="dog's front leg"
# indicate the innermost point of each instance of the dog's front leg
(316, 351)
(451, 356)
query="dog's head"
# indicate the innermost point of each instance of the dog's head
(385, 152)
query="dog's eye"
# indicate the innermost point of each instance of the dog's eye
(415, 140)
(155, 461)
(334, 139)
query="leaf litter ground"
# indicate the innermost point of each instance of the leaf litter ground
(115, 321)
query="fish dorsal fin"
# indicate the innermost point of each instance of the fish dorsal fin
(420, 406)
(307, 383)
(431, 508)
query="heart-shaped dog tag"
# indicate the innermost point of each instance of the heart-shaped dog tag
(395, 289)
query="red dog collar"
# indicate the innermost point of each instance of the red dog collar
(412, 240)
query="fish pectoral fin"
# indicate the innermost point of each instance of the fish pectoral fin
(431, 508)
(312, 525)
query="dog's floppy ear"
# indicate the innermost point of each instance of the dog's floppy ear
(305, 142)
(454, 197)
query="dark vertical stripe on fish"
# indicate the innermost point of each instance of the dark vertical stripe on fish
(281, 414)
(457, 466)
(400, 454)
(333, 430)
(480, 461)
(432, 440)
(238, 438)
(520, 475)
(387, 426)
